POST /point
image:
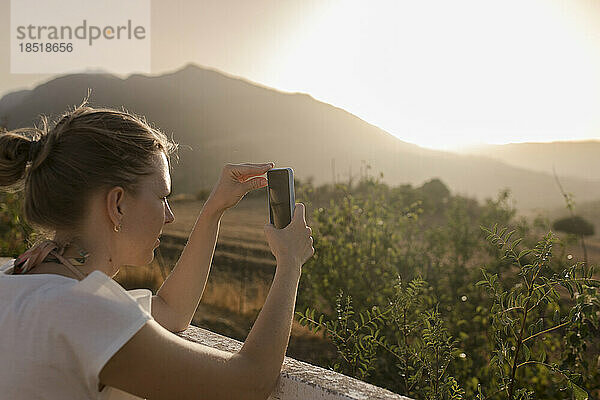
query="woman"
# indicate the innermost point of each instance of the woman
(98, 181)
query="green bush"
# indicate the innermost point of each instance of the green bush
(14, 230)
(394, 279)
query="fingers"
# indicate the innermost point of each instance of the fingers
(247, 170)
(255, 183)
(309, 250)
(252, 165)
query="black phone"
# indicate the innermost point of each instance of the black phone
(280, 196)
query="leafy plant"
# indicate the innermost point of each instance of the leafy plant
(419, 343)
(519, 315)
(356, 342)
(14, 230)
(370, 234)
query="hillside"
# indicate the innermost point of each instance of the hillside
(219, 119)
(569, 159)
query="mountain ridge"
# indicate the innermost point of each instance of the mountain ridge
(578, 159)
(229, 119)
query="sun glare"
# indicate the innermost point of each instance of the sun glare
(450, 74)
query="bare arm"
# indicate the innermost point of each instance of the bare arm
(183, 288)
(268, 339)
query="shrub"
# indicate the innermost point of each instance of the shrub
(435, 334)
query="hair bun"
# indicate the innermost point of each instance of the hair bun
(33, 149)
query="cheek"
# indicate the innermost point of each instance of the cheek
(148, 219)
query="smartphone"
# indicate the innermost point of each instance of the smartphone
(280, 196)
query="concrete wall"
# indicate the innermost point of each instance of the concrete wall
(299, 380)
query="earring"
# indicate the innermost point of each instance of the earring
(117, 229)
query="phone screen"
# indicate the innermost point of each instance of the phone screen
(279, 198)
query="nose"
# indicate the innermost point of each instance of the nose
(169, 216)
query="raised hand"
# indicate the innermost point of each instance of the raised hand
(294, 242)
(236, 180)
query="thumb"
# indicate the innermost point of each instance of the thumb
(298, 212)
(268, 228)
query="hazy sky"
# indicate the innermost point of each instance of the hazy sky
(440, 74)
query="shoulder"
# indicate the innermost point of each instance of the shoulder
(93, 318)
(83, 311)
(104, 287)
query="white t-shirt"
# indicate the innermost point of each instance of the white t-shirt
(57, 333)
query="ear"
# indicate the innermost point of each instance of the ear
(115, 204)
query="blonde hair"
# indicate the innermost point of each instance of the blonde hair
(85, 150)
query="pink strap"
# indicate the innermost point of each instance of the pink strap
(38, 253)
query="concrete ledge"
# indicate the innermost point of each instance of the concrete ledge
(300, 380)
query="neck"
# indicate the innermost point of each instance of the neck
(98, 256)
